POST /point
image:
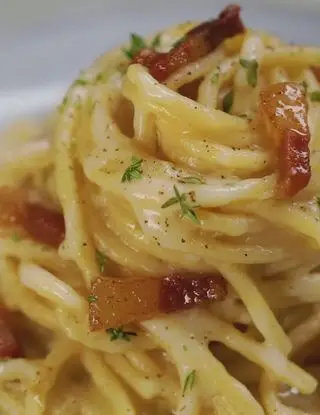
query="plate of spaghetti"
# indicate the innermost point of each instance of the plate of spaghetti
(160, 232)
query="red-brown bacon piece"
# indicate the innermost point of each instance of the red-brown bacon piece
(9, 346)
(115, 302)
(41, 224)
(44, 225)
(196, 44)
(284, 112)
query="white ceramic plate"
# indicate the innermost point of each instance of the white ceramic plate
(44, 43)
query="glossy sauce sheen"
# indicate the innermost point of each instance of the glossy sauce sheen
(285, 114)
(196, 44)
(122, 301)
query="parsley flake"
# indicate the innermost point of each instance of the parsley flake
(134, 171)
(92, 298)
(215, 77)
(63, 104)
(252, 71)
(101, 260)
(186, 209)
(156, 41)
(227, 102)
(16, 237)
(101, 77)
(120, 334)
(318, 201)
(315, 96)
(81, 82)
(189, 382)
(137, 44)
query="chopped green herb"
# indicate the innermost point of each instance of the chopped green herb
(156, 41)
(227, 102)
(186, 209)
(64, 102)
(252, 71)
(315, 96)
(120, 334)
(137, 44)
(189, 382)
(215, 77)
(101, 260)
(191, 180)
(134, 171)
(92, 298)
(185, 348)
(16, 237)
(179, 41)
(318, 201)
(81, 82)
(101, 77)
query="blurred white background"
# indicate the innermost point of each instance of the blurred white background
(45, 43)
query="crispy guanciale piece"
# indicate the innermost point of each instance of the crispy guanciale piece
(9, 346)
(44, 225)
(284, 113)
(115, 302)
(41, 224)
(196, 44)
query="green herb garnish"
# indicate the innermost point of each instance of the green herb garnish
(186, 209)
(137, 44)
(101, 77)
(81, 82)
(215, 77)
(227, 102)
(189, 382)
(191, 180)
(120, 334)
(101, 260)
(92, 298)
(252, 71)
(156, 41)
(315, 96)
(134, 171)
(16, 237)
(63, 104)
